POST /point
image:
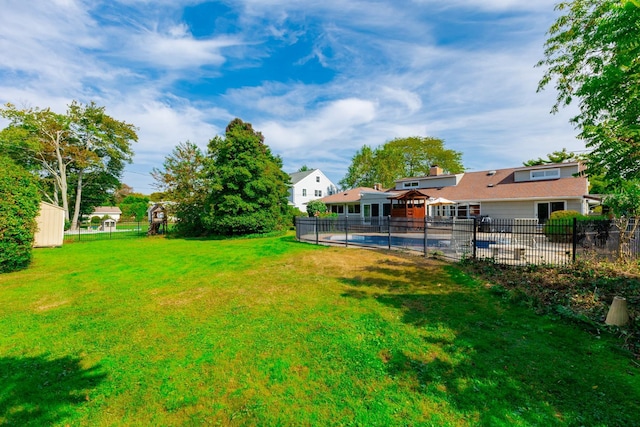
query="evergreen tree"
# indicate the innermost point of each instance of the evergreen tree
(249, 188)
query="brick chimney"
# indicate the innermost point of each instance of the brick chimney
(435, 170)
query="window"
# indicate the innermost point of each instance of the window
(337, 209)
(545, 174)
(354, 209)
(545, 209)
(317, 179)
(304, 192)
(410, 184)
(317, 193)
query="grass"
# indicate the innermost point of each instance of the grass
(269, 331)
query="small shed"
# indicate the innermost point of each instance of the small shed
(108, 225)
(50, 221)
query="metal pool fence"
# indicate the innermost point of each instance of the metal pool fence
(517, 241)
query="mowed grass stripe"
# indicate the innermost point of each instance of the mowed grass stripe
(274, 332)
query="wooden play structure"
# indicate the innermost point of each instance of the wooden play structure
(157, 219)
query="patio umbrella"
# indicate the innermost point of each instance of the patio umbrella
(439, 201)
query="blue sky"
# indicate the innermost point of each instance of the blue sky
(318, 79)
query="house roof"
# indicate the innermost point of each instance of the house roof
(299, 176)
(485, 185)
(349, 196)
(411, 194)
(107, 210)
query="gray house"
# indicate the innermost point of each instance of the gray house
(522, 192)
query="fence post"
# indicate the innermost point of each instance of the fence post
(389, 230)
(317, 230)
(574, 241)
(425, 235)
(346, 231)
(475, 236)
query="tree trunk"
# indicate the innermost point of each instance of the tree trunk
(76, 209)
(61, 176)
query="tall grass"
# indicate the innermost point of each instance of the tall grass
(273, 332)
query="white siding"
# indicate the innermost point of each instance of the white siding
(519, 209)
(566, 171)
(314, 182)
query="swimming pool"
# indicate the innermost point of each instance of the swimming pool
(402, 241)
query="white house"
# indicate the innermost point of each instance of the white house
(112, 212)
(309, 185)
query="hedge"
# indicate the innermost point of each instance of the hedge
(19, 207)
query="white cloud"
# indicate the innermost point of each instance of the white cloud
(393, 76)
(177, 49)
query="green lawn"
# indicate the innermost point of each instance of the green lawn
(156, 331)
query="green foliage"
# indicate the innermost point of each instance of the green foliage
(19, 206)
(293, 213)
(70, 151)
(559, 226)
(249, 188)
(593, 55)
(625, 200)
(400, 158)
(183, 181)
(625, 204)
(554, 157)
(316, 207)
(95, 220)
(565, 215)
(135, 206)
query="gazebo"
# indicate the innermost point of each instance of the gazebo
(409, 204)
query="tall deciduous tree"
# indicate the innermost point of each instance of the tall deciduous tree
(400, 158)
(82, 142)
(182, 180)
(593, 56)
(249, 187)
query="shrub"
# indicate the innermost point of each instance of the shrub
(292, 214)
(19, 206)
(316, 207)
(559, 227)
